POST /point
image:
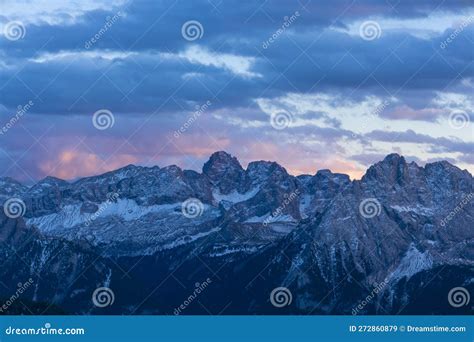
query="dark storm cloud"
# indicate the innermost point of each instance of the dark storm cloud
(142, 69)
(311, 56)
(436, 145)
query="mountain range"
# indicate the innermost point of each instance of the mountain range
(231, 240)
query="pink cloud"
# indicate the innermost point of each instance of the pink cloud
(406, 112)
(71, 164)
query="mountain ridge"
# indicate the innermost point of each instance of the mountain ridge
(327, 239)
(133, 167)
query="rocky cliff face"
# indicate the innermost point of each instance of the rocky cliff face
(151, 234)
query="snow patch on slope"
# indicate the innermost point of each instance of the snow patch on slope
(127, 209)
(418, 209)
(271, 219)
(413, 262)
(234, 249)
(234, 196)
(189, 238)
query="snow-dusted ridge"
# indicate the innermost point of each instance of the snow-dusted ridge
(127, 229)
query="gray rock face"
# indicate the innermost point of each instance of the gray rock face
(10, 187)
(224, 171)
(328, 239)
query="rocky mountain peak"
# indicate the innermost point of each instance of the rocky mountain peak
(224, 170)
(443, 174)
(50, 180)
(8, 180)
(260, 172)
(325, 176)
(395, 226)
(444, 166)
(172, 169)
(393, 169)
(9, 187)
(220, 162)
(265, 167)
(325, 173)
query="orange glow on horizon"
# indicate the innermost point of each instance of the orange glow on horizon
(73, 164)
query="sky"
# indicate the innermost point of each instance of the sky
(90, 86)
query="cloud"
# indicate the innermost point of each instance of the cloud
(71, 164)
(68, 56)
(348, 98)
(53, 12)
(406, 112)
(435, 144)
(426, 27)
(238, 65)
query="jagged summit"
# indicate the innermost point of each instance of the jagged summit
(52, 181)
(225, 171)
(391, 167)
(256, 227)
(220, 163)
